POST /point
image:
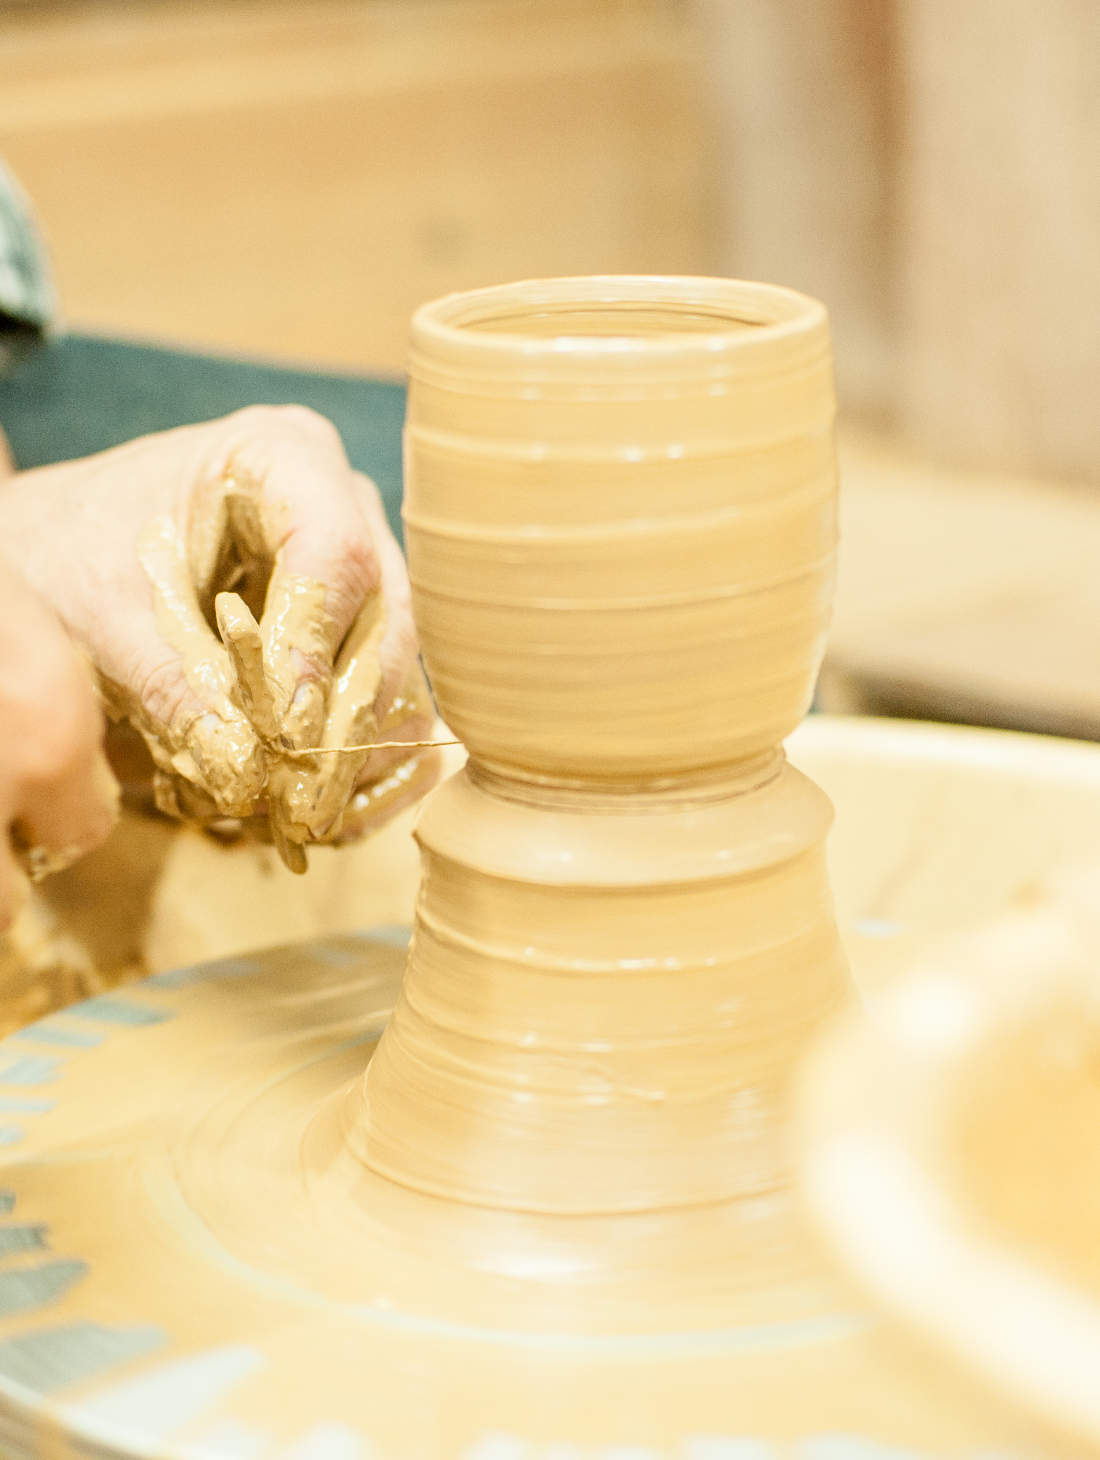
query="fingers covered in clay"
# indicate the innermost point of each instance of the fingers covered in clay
(379, 693)
(395, 777)
(214, 575)
(287, 509)
(289, 514)
(240, 633)
(309, 793)
(333, 683)
(401, 708)
(325, 657)
(191, 712)
(58, 797)
(389, 779)
(397, 788)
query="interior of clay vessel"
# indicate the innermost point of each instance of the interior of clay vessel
(621, 308)
(612, 319)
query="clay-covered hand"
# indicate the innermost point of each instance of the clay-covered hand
(240, 594)
(58, 797)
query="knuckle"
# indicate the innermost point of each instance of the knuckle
(248, 417)
(300, 420)
(360, 560)
(163, 688)
(346, 547)
(355, 574)
(306, 419)
(368, 488)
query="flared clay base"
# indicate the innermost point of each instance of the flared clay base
(193, 1263)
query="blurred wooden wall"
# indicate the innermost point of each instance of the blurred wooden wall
(803, 93)
(1000, 232)
(292, 177)
(931, 169)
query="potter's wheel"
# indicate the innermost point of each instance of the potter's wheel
(549, 1213)
(144, 1313)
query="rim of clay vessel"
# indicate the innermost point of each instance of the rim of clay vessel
(555, 321)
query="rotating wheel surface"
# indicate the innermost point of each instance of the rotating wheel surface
(177, 1275)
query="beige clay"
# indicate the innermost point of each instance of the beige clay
(240, 741)
(545, 1211)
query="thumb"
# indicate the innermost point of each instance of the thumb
(296, 493)
(185, 704)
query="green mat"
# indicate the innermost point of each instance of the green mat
(78, 394)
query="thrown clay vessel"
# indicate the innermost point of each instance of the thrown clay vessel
(547, 1210)
(621, 524)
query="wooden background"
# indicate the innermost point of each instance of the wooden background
(291, 178)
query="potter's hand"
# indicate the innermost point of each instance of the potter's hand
(146, 550)
(58, 798)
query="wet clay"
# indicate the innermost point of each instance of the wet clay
(209, 742)
(620, 522)
(259, 695)
(539, 1204)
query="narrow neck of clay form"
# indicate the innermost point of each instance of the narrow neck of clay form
(606, 994)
